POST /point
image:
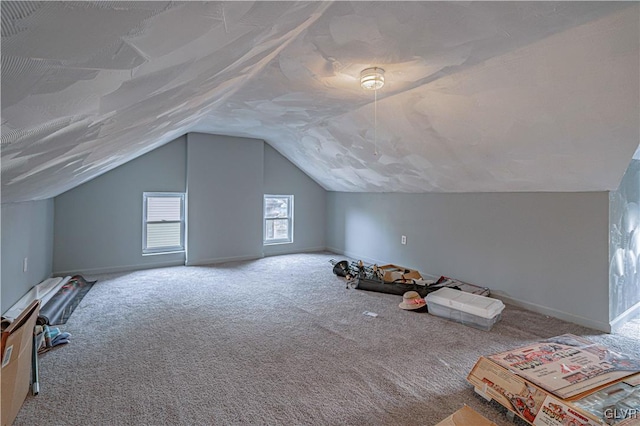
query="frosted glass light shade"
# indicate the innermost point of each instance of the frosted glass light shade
(372, 78)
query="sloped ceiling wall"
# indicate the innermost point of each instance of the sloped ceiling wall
(480, 96)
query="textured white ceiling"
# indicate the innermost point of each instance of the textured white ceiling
(480, 96)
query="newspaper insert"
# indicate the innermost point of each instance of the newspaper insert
(567, 365)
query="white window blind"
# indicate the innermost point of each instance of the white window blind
(164, 208)
(163, 222)
(163, 235)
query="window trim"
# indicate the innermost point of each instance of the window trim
(290, 216)
(166, 249)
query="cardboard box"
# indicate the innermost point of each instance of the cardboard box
(466, 416)
(17, 353)
(392, 273)
(541, 408)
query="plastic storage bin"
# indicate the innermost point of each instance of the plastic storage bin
(470, 309)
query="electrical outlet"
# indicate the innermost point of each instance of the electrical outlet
(24, 265)
(404, 239)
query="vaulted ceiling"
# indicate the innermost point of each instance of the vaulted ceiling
(479, 96)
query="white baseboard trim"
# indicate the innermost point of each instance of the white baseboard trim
(217, 260)
(576, 319)
(356, 256)
(621, 319)
(121, 268)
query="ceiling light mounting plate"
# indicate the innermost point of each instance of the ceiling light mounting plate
(372, 78)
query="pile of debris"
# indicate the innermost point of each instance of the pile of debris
(48, 338)
(445, 297)
(394, 279)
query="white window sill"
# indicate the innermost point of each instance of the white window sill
(276, 243)
(163, 252)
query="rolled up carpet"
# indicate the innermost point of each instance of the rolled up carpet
(60, 307)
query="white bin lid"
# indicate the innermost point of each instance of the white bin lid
(474, 304)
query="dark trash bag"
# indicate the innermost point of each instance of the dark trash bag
(395, 287)
(341, 268)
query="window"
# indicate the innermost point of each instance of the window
(278, 219)
(163, 222)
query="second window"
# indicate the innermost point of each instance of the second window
(278, 219)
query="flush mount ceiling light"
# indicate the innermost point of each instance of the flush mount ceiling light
(372, 78)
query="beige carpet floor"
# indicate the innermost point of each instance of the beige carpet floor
(275, 341)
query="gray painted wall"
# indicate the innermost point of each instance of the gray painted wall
(224, 201)
(624, 227)
(98, 225)
(27, 231)
(282, 177)
(545, 251)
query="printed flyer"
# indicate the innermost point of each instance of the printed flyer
(567, 365)
(555, 413)
(508, 389)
